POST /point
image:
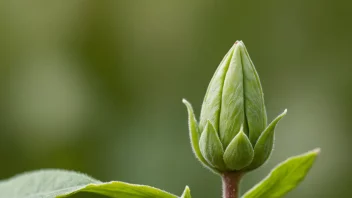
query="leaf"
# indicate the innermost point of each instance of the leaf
(60, 183)
(239, 153)
(211, 147)
(194, 135)
(186, 193)
(264, 145)
(284, 177)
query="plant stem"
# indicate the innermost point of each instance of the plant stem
(230, 184)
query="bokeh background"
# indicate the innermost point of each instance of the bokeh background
(96, 86)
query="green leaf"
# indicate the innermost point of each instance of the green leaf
(239, 153)
(211, 147)
(284, 177)
(264, 145)
(186, 193)
(194, 135)
(60, 183)
(254, 97)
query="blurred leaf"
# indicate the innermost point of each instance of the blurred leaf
(186, 193)
(60, 183)
(284, 177)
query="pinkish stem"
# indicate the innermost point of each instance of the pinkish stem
(230, 184)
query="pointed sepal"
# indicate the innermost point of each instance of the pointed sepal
(211, 147)
(239, 152)
(264, 145)
(194, 134)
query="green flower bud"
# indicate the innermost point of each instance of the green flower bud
(232, 134)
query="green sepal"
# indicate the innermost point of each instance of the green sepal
(239, 152)
(264, 145)
(284, 177)
(186, 193)
(253, 96)
(194, 135)
(211, 147)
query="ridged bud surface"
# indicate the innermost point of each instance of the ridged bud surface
(233, 117)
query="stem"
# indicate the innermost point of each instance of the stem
(230, 184)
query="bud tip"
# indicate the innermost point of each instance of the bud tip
(239, 43)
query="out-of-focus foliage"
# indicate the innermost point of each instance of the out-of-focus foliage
(96, 86)
(61, 183)
(284, 177)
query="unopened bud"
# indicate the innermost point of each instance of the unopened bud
(233, 127)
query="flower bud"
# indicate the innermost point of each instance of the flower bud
(232, 133)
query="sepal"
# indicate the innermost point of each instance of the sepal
(264, 145)
(239, 153)
(194, 134)
(211, 147)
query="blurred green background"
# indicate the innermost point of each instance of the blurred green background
(96, 86)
